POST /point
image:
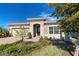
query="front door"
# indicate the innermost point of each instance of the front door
(36, 29)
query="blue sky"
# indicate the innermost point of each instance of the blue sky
(19, 12)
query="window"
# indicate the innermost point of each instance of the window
(56, 30)
(50, 30)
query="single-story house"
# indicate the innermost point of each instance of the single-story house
(38, 26)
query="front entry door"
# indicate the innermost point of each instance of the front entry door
(36, 29)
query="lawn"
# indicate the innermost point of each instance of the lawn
(51, 50)
(21, 48)
(42, 48)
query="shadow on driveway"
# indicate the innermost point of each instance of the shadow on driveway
(64, 45)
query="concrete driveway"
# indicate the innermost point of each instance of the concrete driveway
(34, 39)
(8, 40)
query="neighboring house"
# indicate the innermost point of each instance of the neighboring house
(38, 26)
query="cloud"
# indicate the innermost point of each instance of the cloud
(47, 16)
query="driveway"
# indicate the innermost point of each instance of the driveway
(34, 39)
(8, 40)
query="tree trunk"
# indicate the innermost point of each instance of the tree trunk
(67, 37)
(77, 46)
(22, 39)
(61, 35)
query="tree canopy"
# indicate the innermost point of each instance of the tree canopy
(70, 16)
(65, 8)
(4, 32)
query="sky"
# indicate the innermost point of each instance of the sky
(19, 12)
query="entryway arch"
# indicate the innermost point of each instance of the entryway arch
(36, 29)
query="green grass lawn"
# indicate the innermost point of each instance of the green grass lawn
(50, 51)
(41, 48)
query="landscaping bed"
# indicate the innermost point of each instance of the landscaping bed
(41, 48)
(53, 50)
(21, 48)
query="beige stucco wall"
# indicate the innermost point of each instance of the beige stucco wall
(41, 27)
(44, 29)
(13, 29)
(46, 32)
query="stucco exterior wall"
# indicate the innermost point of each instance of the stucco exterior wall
(41, 27)
(47, 34)
(13, 29)
(44, 28)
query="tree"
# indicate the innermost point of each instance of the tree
(65, 8)
(4, 33)
(21, 32)
(70, 19)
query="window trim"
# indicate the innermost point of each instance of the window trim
(53, 30)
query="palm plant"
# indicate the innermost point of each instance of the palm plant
(4, 32)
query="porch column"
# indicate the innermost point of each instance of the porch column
(42, 30)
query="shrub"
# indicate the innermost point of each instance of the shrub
(44, 42)
(50, 38)
(27, 48)
(10, 50)
(4, 33)
(2, 47)
(29, 35)
(20, 49)
(41, 39)
(74, 40)
(37, 46)
(46, 38)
